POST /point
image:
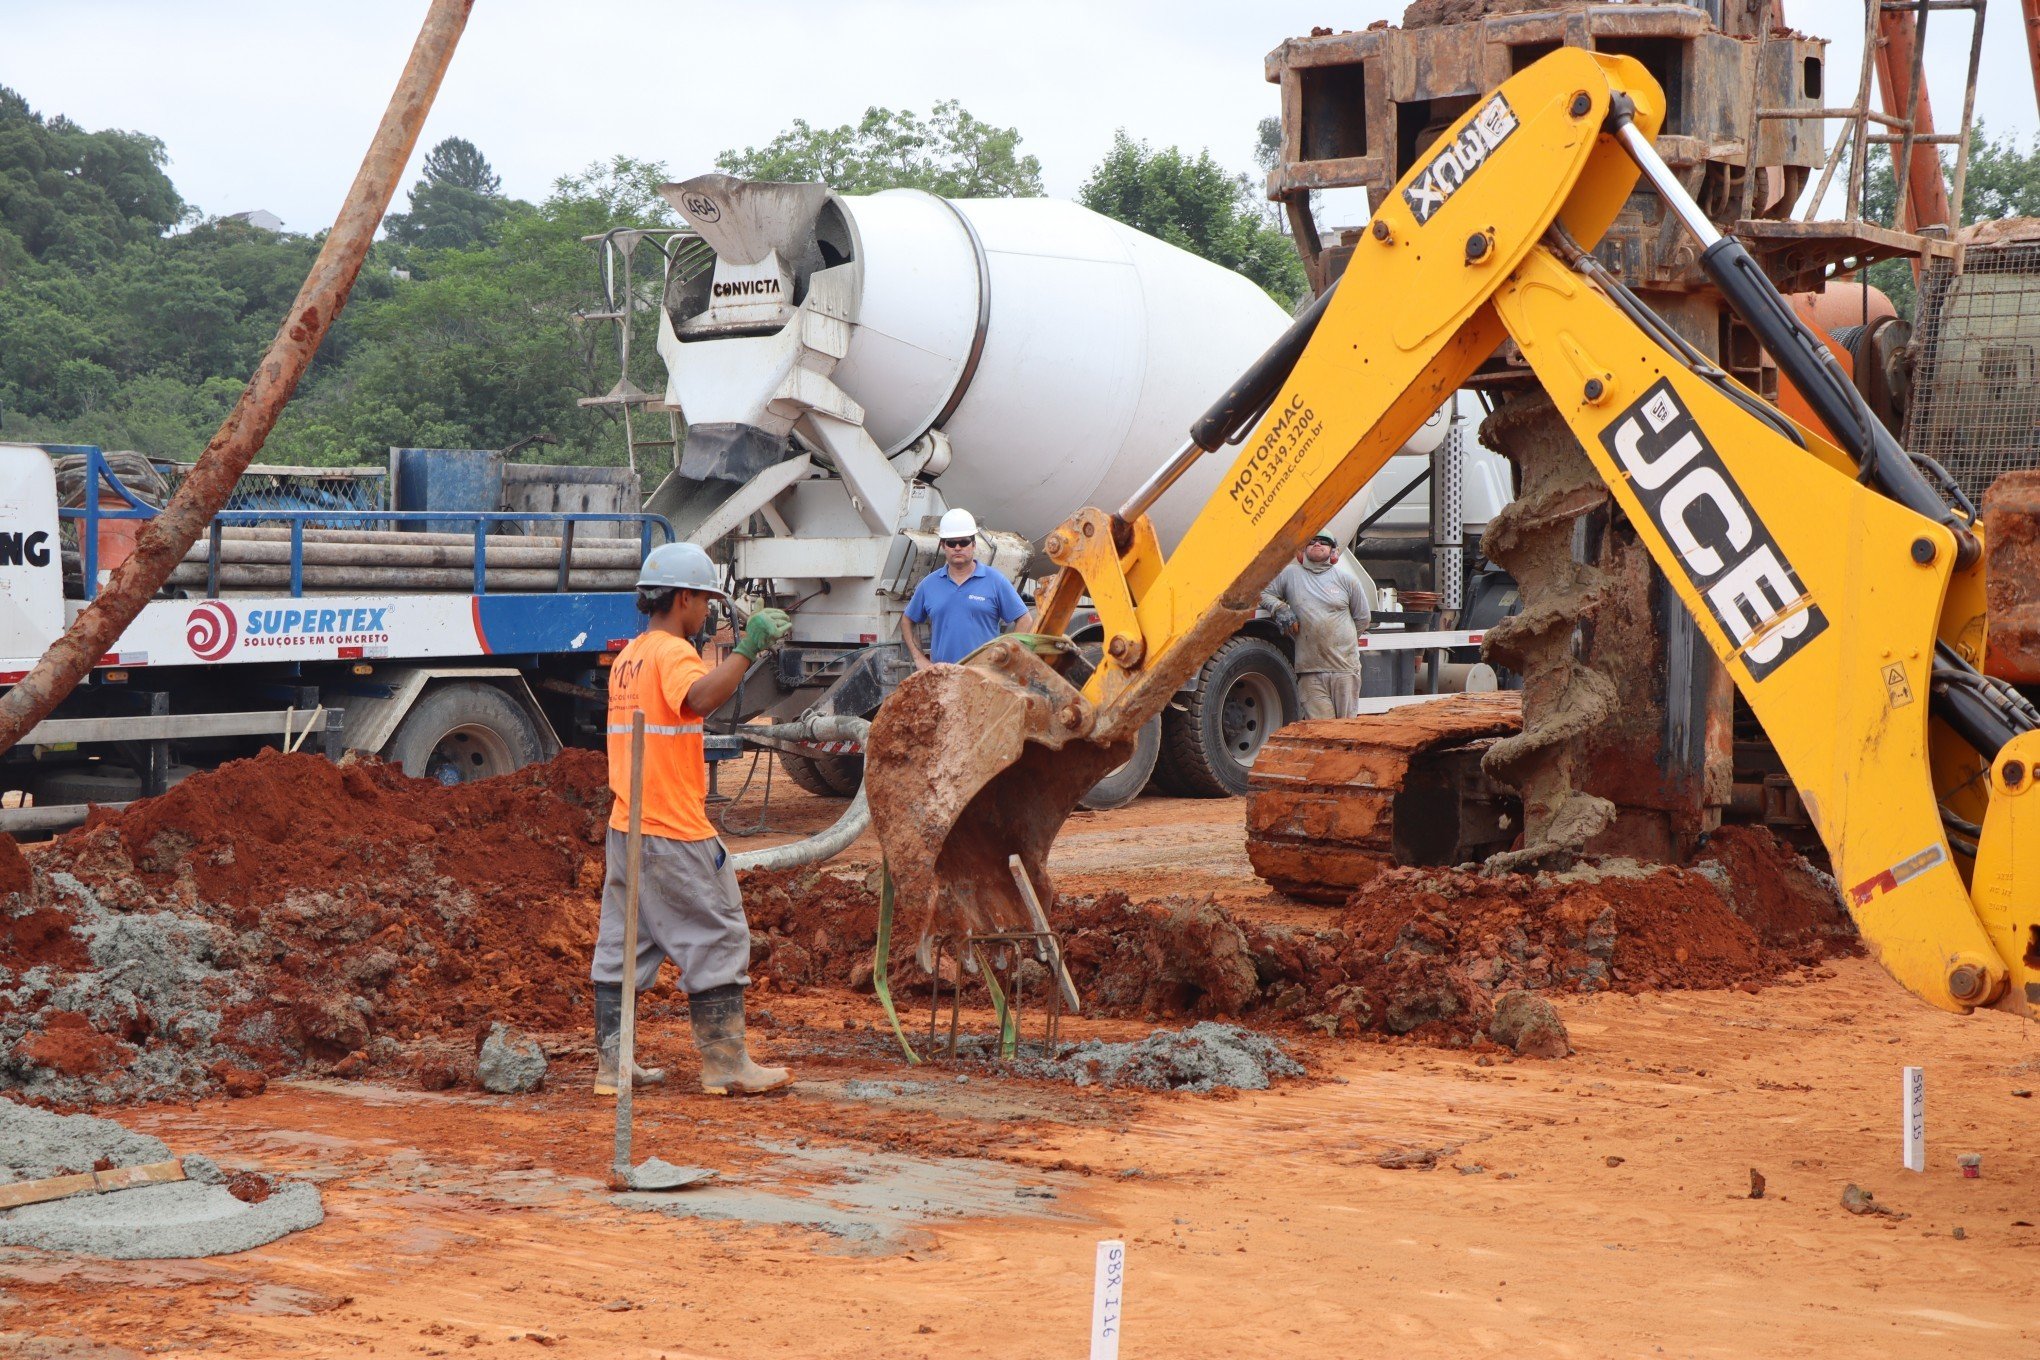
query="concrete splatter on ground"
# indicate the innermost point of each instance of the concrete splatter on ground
(211, 1214)
(1205, 1057)
(509, 1062)
(865, 1202)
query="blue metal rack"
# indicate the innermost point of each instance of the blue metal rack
(98, 473)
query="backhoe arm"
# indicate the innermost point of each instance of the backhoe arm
(1817, 573)
(968, 765)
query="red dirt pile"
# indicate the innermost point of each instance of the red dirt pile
(1431, 949)
(283, 912)
(1416, 952)
(284, 909)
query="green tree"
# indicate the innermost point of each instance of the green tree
(1195, 203)
(949, 153)
(75, 197)
(620, 190)
(1268, 142)
(457, 161)
(2003, 181)
(456, 204)
(114, 333)
(480, 349)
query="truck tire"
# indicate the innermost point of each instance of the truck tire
(98, 782)
(1130, 780)
(94, 783)
(1210, 738)
(824, 776)
(806, 772)
(843, 774)
(462, 732)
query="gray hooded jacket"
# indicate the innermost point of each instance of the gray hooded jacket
(1331, 613)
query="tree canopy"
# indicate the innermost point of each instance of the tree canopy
(2003, 181)
(949, 153)
(457, 204)
(131, 319)
(115, 333)
(1196, 203)
(74, 197)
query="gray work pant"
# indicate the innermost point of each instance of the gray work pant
(1328, 694)
(689, 911)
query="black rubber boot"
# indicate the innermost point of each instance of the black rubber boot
(726, 1066)
(608, 1032)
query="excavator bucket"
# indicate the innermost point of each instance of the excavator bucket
(968, 765)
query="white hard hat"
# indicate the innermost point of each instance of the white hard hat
(957, 524)
(679, 566)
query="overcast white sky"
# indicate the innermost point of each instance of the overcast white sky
(270, 105)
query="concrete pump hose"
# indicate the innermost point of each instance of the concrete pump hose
(834, 840)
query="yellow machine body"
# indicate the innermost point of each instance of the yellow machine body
(1822, 597)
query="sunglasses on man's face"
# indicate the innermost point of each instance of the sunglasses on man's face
(957, 542)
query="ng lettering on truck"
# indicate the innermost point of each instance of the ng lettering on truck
(1729, 556)
(31, 549)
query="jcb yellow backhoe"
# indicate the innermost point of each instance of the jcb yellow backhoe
(1828, 577)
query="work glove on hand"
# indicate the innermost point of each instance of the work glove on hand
(1285, 619)
(761, 630)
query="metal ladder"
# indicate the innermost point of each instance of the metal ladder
(1894, 47)
(685, 256)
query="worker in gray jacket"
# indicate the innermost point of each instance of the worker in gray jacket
(1324, 607)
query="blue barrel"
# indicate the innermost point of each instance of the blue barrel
(445, 479)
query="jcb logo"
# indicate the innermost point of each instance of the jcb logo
(1728, 554)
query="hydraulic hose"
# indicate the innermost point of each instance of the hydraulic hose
(827, 843)
(1800, 356)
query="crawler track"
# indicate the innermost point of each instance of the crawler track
(1332, 803)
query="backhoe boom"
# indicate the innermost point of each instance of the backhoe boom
(1821, 589)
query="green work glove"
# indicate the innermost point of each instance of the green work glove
(761, 630)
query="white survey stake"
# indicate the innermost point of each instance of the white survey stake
(1914, 1118)
(1107, 1293)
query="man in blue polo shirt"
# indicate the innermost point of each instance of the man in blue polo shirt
(966, 604)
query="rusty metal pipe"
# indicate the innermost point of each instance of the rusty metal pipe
(169, 535)
(2030, 11)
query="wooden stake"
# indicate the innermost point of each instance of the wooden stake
(1108, 1289)
(88, 1183)
(633, 857)
(1913, 1113)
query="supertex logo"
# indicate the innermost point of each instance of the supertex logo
(213, 628)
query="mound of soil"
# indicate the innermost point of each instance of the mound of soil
(1416, 952)
(284, 910)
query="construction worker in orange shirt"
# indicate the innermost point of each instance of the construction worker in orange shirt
(689, 908)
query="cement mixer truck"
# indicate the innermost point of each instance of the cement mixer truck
(849, 366)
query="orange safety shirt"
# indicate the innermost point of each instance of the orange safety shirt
(654, 673)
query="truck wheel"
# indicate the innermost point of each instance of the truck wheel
(462, 732)
(806, 772)
(1210, 741)
(824, 776)
(1126, 783)
(93, 783)
(844, 774)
